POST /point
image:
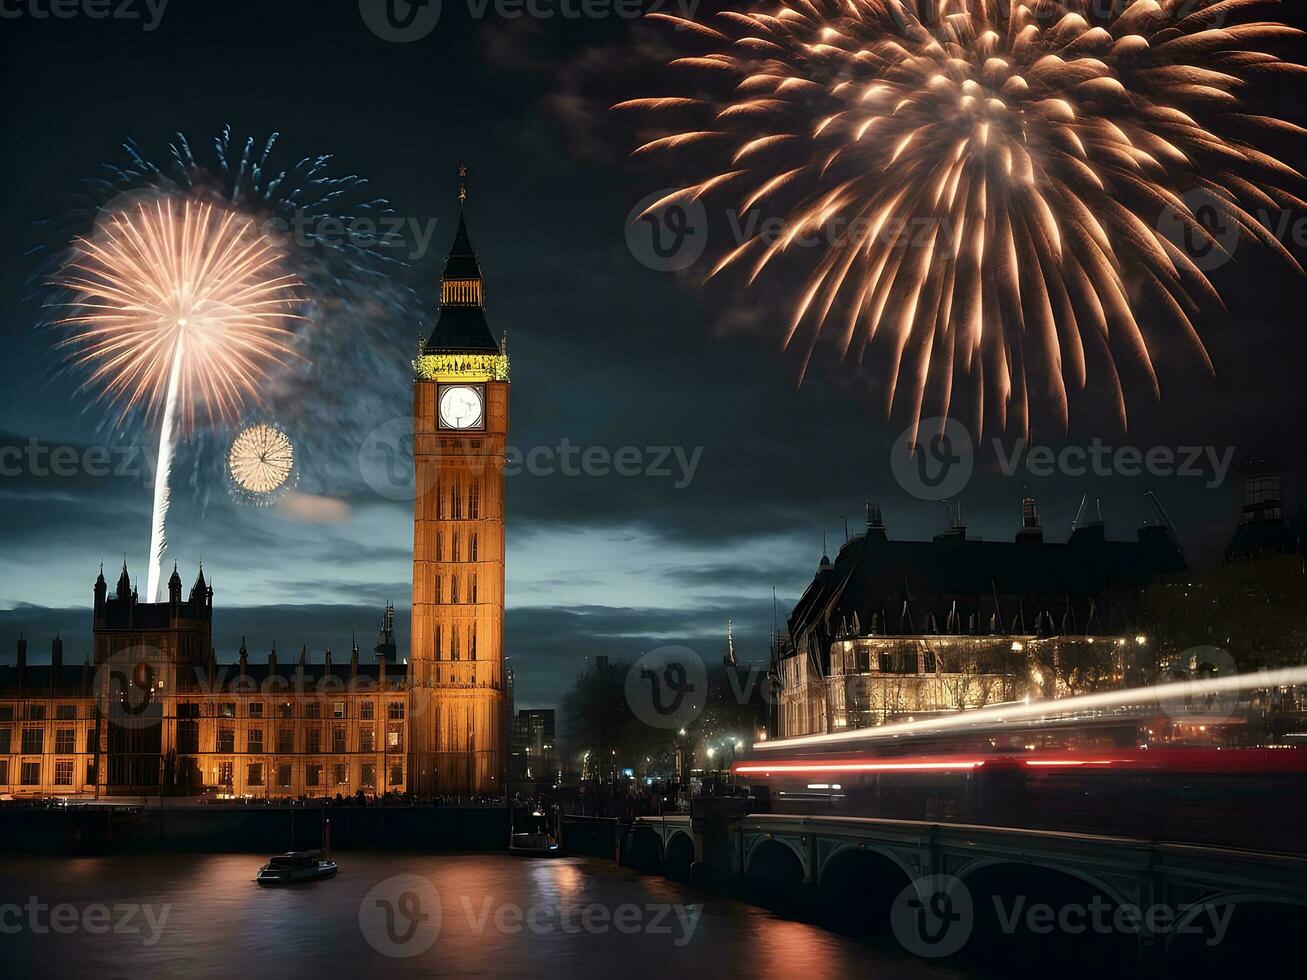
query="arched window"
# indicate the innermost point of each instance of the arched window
(471, 643)
(453, 588)
(472, 587)
(436, 638)
(474, 500)
(472, 547)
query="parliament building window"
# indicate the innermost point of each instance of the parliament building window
(395, 710)
(342, 774)
(396, 775)
(313, 710)
(315, 740)
(474, 500)
(64, 742)
(283, 776)
(369, 776)
(338, 739)
(367, 708)
(65, 712)
(4, 772)
(33, 741)
(256, 709)
(31, 773)
(63, 772)
(313, 775)
(226, 740)
(6, 737)
(256, 740)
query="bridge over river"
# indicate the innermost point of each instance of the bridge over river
(993, 895)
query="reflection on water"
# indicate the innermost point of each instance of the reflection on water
(202, 916)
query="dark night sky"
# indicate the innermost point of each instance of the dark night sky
(605, 351)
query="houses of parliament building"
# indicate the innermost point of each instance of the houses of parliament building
(152, 710)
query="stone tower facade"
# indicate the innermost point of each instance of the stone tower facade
(460, 437)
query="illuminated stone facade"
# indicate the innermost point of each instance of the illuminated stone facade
(460, 435)
(154, 712)
(897, 629)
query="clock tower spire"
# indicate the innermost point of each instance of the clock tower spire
(460, 435)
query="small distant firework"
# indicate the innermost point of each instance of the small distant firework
(260, 462)
(175, 305)
(1002, 170)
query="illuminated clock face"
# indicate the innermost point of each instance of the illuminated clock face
(461, 407)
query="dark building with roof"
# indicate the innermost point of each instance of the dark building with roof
(894, 627)
(1263, 524)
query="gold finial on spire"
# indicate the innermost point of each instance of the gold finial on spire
(462, 186)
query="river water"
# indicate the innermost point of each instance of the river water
(394, 914)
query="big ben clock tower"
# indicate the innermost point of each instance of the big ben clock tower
(460, 433)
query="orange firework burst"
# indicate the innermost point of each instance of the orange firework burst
(175, 303)
(177, 288)
(1008, 178)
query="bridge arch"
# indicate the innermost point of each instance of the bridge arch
(774, 872)
(1027, 911)
(857, 887)
(784, 842)
(646, 850)
(678, 855)
(1251, 932)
